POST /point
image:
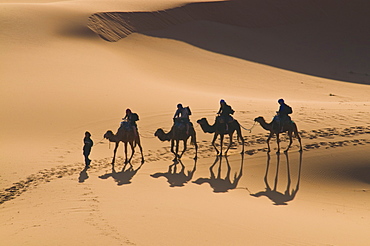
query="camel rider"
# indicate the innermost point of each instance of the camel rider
(182, 116)
(131, 119)
(225, 113)
(283, 113)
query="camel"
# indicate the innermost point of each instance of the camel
(175, 135)
(127, 136)
(275, 130)
(219, 129)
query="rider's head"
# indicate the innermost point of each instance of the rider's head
(280, 101)
(128, 111)
(87, 134)
(222, 101)
(179, 105)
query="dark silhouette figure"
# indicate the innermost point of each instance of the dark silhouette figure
(275, 129)
(282, 115)
(219, 129)
(126, 135)
(218, 183)
(280, 198)
(177, 178)
(131, 119)
(179, 133)
(88, 143)
(83, 175)
(182, 116)
(224, 114)
(124, 176)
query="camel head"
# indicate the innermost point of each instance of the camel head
(108, 134)
(259, 119)
(202, 121)
(161, 135)
(206, 127)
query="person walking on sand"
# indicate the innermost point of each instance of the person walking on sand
(88, 143)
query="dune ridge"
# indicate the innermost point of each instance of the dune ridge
(113, 26)
(306, 37)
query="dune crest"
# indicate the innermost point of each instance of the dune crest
(113, 26)
(327, 39)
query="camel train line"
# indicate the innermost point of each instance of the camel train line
(182, 130)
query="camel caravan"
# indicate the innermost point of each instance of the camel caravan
(183, 129)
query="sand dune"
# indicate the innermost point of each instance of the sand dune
(59, 79)
(305, 37)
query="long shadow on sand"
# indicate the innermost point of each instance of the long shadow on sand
(177, 177)
(83, 175)
(327, 38)
(216, 181)
(124, 176)
(272, 193)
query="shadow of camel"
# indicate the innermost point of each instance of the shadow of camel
(280, 198)
(222, 184)
(124, 176)
(177, 178)
(83, 175)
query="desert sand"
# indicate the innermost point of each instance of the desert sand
(73, 66)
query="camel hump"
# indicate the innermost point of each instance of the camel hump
(125, 125)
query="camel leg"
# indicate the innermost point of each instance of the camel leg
(114, 153)
(141, 152)
(193, 140)
(268, 142)
(278, 143)
(290, 141)
(213, 142)
(172, 149)
(299, 140)
(184, 149)
(126, 153)
(138, 142)
(240, 136)
(231, 142)
(177, 148)
(196, 151)
(132, 144)
(221, 143)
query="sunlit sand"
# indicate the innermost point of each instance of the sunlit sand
(73, 66)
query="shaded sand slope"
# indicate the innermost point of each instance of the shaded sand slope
(322, 38)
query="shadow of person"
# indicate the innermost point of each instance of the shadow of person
(83, 175)
(175, 177)
(124, 176)
(280, 198)
(222, 184)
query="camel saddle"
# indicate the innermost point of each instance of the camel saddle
(126, 125)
